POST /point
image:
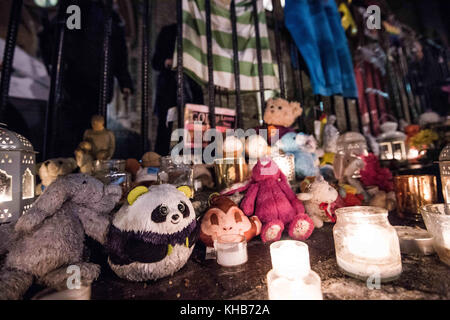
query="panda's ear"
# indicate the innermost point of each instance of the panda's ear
(186, 190)
(136, 193)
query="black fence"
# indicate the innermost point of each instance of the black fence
(394, 68)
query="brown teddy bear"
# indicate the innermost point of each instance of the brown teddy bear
(280, 114)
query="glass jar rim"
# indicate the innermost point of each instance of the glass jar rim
(405, 176)
(436, 209)
(361, 212)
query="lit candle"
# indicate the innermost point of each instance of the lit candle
(231, 250)
(291, 277)
(290, 258)
(366, 244)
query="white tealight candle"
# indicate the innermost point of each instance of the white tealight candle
(231, 250)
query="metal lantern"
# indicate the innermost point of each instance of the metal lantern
(392, 142)
(444, 167)
(17, 175)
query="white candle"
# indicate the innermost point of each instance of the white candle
(298, 288)
(368, 241)
(290, 258)
(231, 250)
(291, 277)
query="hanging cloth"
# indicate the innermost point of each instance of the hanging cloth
(195, 45)
(315, 26)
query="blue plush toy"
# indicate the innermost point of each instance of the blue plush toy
(303, 148)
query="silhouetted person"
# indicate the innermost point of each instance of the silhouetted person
(166, 88)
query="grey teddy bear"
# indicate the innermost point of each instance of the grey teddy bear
(50, 236)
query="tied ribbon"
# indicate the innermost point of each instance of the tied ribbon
(325, 207)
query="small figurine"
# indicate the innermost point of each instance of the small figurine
(330, 136)
(102, 140)
(84, 158)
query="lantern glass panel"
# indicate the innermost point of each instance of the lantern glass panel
(398, 148)
(386, 151)
(5, 186)
(27, 184)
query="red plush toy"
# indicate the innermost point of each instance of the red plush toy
(272, 200)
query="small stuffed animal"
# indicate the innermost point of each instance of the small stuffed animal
(272, 200)
(50, 236)
(280, 115)
(151, 159)
(51, 169)
(153, 235)
(302, 147)
(148, 173)
(318, 200)
(225, 217)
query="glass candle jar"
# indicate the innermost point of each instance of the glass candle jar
(177, 174)
(113, 172)
(291, 277)
(366, 244)
(412, 192)
(437, 221)
(231, 250)
(229, 171)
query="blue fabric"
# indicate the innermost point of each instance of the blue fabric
(315, 26)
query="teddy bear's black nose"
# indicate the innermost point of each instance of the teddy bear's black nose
(175, 217)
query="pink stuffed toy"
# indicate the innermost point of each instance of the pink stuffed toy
(272, 200)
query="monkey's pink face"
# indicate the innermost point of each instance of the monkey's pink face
(216, 222)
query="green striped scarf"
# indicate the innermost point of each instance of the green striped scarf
(195, 61)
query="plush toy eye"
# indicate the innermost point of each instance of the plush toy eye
(237, 217)
(181, 207)
(163, 210)
(271, 107)
(214, 219)
(280, 107)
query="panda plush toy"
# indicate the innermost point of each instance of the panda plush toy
(153, 235)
